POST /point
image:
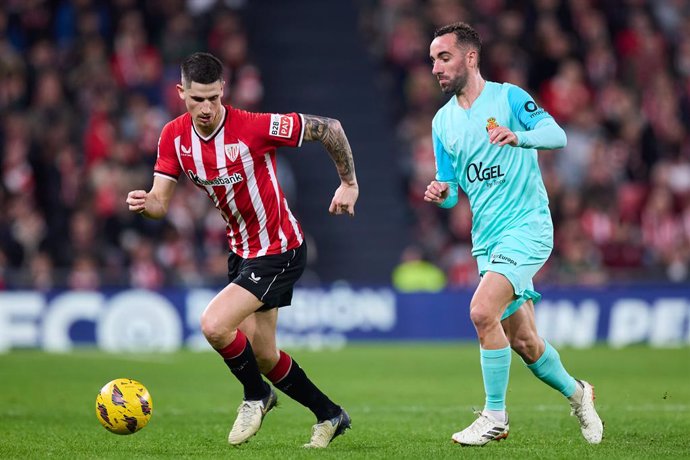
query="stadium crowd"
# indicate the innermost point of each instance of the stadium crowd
(85, 88)
(614, 74)
(87, 85)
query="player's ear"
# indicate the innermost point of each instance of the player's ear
(472, 57)
(180, 91)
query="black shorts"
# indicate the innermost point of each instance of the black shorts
(270, 278)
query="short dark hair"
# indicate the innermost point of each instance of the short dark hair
(202, 68)
(464, 34)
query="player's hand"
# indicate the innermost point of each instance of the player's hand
(136, 199)
(343, 201)
(502, 136)
(436, 192)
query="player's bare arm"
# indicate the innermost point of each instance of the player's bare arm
(331, 134)
(152, 204)
(436, 192)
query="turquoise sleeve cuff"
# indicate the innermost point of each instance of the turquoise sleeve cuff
(545, 135)
(452, 198)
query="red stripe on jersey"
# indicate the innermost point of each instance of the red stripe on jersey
(236, 167)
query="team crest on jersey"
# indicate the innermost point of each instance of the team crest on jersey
(491, 123)
(281, 126)
(232, 151)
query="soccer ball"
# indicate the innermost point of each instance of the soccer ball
(124, 406)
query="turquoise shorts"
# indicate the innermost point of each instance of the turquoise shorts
(518, 259)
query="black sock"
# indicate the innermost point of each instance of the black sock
(239, 357)
(297, 385)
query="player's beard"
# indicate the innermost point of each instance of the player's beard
(458, 84)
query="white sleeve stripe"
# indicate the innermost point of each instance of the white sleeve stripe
(301, 134)
(165, 176)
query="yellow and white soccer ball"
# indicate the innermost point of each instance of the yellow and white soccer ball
(124, 406)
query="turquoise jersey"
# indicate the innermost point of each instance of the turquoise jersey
(504, 184)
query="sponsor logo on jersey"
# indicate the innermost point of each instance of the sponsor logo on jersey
(480, 173)
(186, 151)
(501, 259)
(532, 108)
(281, 126)
(232, 151)
(491, 123)
(224, 180)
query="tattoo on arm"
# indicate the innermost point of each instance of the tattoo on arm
(331, 134)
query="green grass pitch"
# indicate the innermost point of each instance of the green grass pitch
(405, 401)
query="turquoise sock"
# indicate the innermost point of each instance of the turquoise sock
(550, 370)
(495, 370)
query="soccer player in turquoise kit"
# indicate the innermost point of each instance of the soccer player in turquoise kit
(485, 141)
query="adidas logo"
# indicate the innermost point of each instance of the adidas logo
(254, 278)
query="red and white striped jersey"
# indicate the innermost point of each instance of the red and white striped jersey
(236, 167)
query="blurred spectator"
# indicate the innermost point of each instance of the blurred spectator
(415, 274)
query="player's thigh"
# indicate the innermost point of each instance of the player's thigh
(493, 294)
(229, 308)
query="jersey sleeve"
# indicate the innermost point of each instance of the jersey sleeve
(445, 172)
(167, 164)
(524, 109)
(273, 130)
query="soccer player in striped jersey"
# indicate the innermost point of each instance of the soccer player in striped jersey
(230, 155)
(485, 141)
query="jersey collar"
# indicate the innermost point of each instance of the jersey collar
(215, 131)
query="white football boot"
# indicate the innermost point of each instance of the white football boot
(590, 424)
(326, 431)
(481, 431)
(250, 414)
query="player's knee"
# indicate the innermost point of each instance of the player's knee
(483, 316)
(216, 333)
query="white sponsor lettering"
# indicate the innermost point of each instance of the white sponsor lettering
(629, 322)
(139, 320)
(669, 318)
(340, 309)
(563, 323)
(19, 312)
(65, 310)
